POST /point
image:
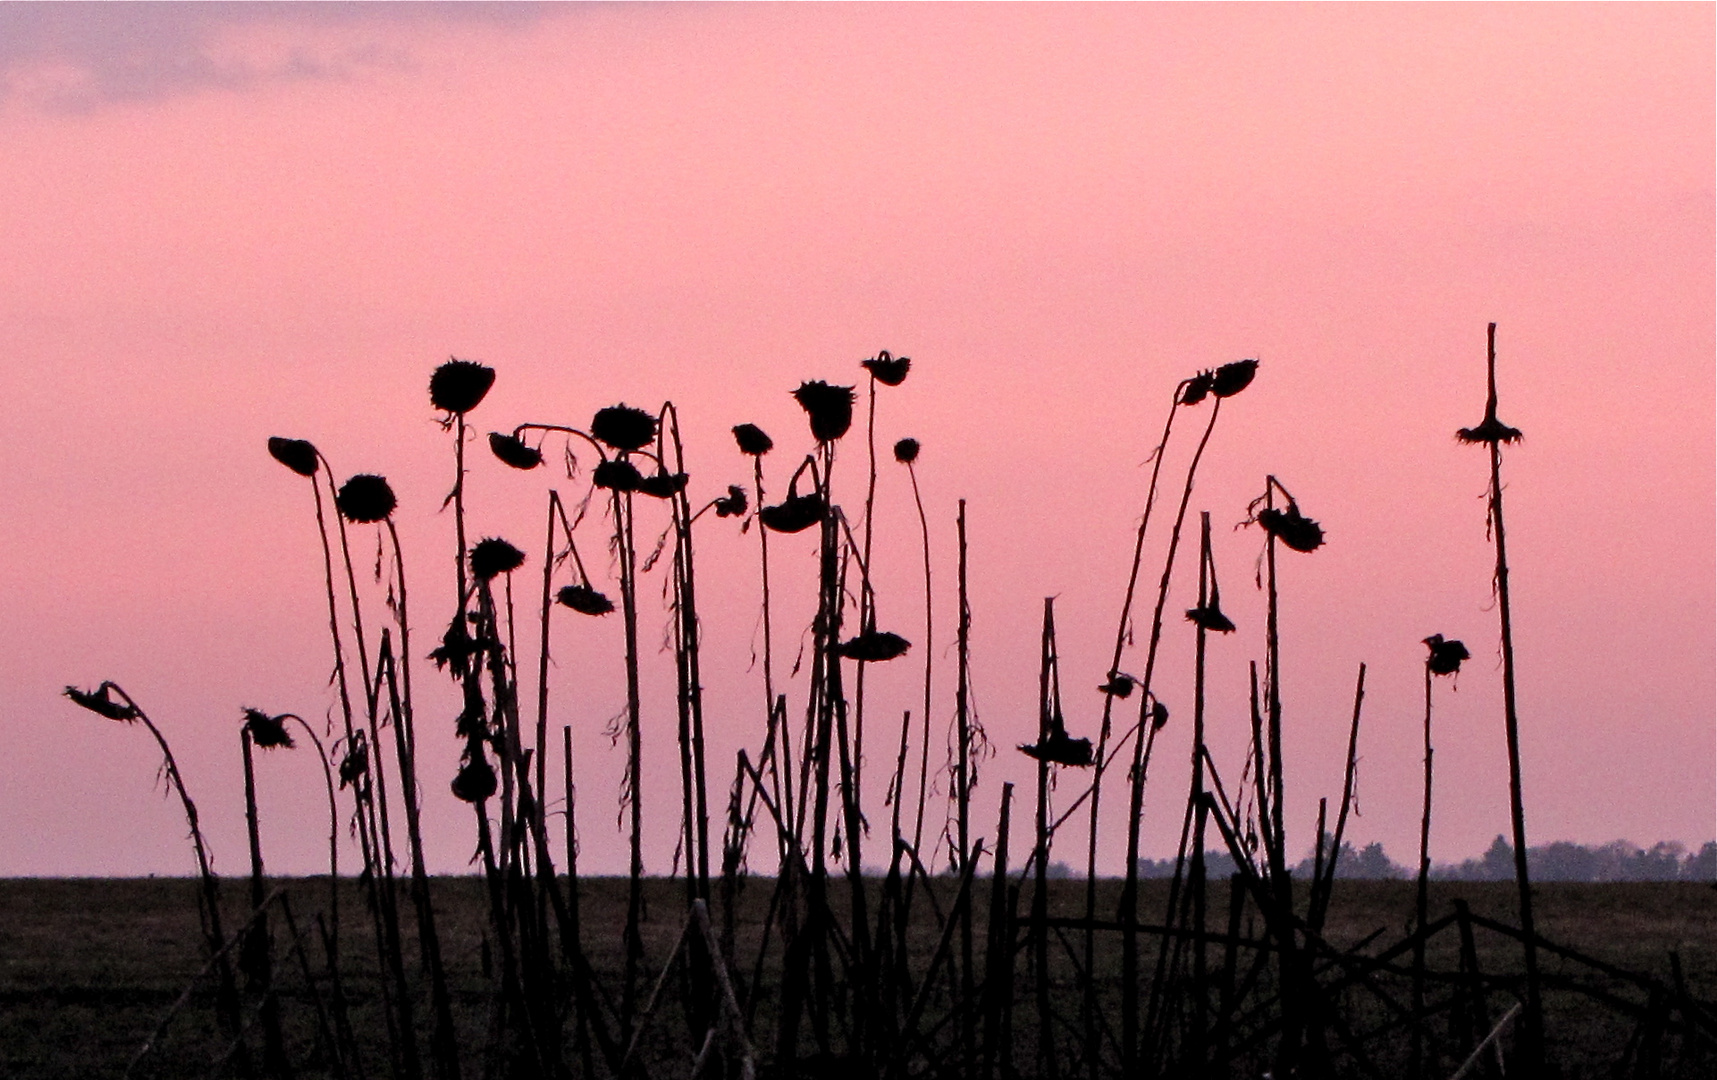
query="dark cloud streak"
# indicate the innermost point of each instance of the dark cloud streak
(79, 57)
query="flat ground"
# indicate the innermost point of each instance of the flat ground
(88, 968)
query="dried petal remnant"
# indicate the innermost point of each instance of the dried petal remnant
(365, 498)
(458, 386)
(829, 407)
(512, 451)
(299, 455)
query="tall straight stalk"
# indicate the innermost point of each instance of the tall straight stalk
(1088, 1001)
(1421, 907)
(929, 661)
(963, 784)
(1492, 432)
(1136, 802)
(634, 940)
(1048, 719)
(258, 952)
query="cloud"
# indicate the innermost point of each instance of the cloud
(79, 57)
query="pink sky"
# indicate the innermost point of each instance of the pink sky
(222, 224)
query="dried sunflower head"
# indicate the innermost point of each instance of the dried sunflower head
(734, 504)
(101, 702)
(299, 455)
(492, 557)
(663, 485)
(365, 498)
(267, 731)
(1119, 685)
(1230, 379)
(794, 514)
(873, 646)
(1445, 655)
(623, 427)
(1292, 528)
(1211, 618)
(458, 386)
(475, 781)
(1060, 749)
(617, 475)
(512, 451)
(752, 440)
(829, 407)
(888, 370)
(1491, 431)
(584, 600)
(906, 451)
(1195, 389)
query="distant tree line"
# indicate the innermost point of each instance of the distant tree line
(1619, 860)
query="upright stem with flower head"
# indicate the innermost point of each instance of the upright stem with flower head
(1494, 433)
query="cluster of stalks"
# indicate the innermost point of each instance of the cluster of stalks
(847, 974)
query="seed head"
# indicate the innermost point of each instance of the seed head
(356, 764)
(874, 646)
(888, 370)
(1195, 389)
(1291, 528)
(493, 557)
(1446, 656)
(663, 485)
(734, 505)
(1491, 431)
(1119, 685)
(618, 475)
(1211, 618)
(829, 407)
(906, 451)
(476, 780)
(584, 600)
(1159, 715)
(296, 454)
(267, 731)
(458, 386)
(1230, 379)
(794, 514)
(623, 427)
(514, 452)
(101, 702)
(1060, 749)
(752, 440)
(365, 498)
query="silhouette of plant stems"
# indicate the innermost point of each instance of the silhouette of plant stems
(1136, 791)
(1495, 434)
(1088, 1001)
(1049, 719)
(963, 783)
(256, 957)
(1322, 888)
(1421, 905)
(209, 889)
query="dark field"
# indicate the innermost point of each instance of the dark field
(89, 968)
